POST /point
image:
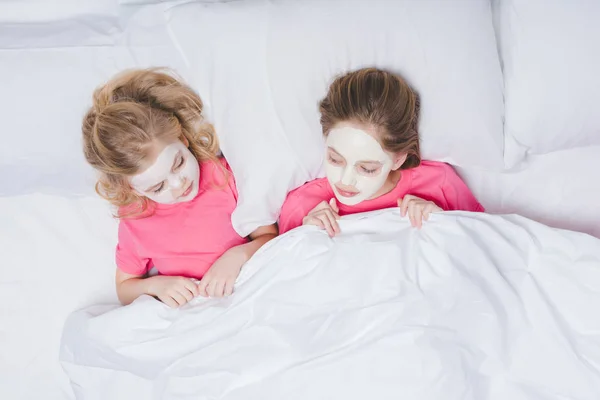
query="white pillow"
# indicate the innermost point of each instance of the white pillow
(50, 73)
(261, 67)
(551, 57)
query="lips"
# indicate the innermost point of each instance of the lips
(346, 193)
(188, 190)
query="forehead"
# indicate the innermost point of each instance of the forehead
(356, 144)
(158, 163)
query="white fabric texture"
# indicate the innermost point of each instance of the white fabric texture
(57, 256)
(50, 69)
(558, 189)
(472, 306)
(266, 113)
(551, 56)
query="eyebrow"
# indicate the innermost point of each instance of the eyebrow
(154, 187)
(332, 149)
(177, 155)
(360, 161)
(370, 162)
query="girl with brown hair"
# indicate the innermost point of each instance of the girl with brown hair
(369, 118)
(158, 162)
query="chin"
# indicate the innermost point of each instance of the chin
(194, 192)
(347, 201)
(190, 196)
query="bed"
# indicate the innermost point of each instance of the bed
(260, 66)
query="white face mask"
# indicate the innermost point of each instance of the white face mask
(172, 178)
(357, 166)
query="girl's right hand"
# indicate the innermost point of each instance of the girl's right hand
(174, 291)
(325, 216)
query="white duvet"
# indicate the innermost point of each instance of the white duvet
(473, 306)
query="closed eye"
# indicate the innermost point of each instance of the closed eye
(179, 164)
(369, 170)
(335, 161)
(159, 188)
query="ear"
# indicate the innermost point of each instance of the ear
(399, 159)
(185, 141)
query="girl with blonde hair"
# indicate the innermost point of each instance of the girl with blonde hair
(158, 163)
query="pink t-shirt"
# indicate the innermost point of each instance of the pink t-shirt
(183, 239)
(432, 181)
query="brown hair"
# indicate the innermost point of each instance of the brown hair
(129, 112)
(378, 99)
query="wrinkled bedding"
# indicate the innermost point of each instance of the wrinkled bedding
(473, 306)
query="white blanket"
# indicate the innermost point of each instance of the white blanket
(473, 306)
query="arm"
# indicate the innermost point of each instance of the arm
(174, 291)
(457, 194)
(130, 287)
(220, 278)
(257, 239)
(301, 202)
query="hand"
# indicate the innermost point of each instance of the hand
(325, 216)
(174, 291)
(417, 209)
(220, 278)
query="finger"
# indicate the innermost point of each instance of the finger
(321, 206)
(219, 288)
(400, 202)
(419, 216)
(211, 288)
(229, 287)
(178, 297)
(333, 221)
(406, 201)
(168, 300)
(333, 205)
(186, 293)
(326, 224)
(411, 213)
(192, 287)
(314, 221)
(426, 211)
(202, 286)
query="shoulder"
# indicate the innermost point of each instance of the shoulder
(433, 173)
(433, 168)
(219, 166)
(318, 189)
(215, 172)
(300, 201)
(133, 212)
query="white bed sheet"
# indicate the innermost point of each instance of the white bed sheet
(57, 256)
(471, 307)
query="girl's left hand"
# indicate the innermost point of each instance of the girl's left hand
(220, 278)
(417, 209)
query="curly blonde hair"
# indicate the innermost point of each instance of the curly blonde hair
(130, 112)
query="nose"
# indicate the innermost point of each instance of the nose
(176, 182)
(348, 177)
